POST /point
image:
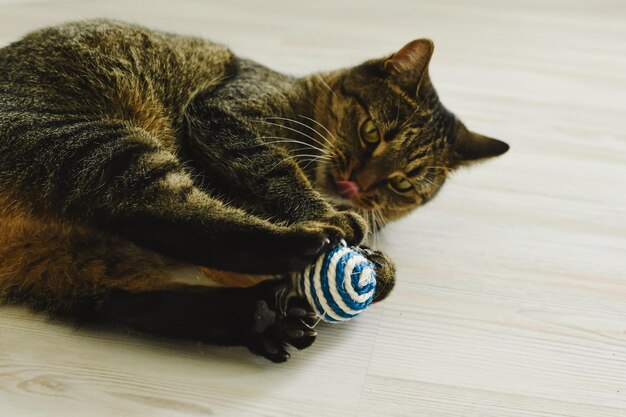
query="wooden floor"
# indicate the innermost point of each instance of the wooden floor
(512, 284)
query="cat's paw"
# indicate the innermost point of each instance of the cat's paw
(304, 242)
(352, 225)
(292, 248)
(385, 273)
(281, 322)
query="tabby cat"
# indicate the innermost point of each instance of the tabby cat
(125, 152)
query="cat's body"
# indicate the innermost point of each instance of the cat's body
(125, 152)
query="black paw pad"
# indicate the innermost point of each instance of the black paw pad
(274, 331)
(263, 317)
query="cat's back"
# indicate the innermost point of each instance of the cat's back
(103, 64)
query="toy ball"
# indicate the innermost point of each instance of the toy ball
(339, 285)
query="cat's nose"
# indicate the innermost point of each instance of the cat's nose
(365, 178)
(347, 189)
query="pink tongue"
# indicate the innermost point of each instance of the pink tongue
(347, 189)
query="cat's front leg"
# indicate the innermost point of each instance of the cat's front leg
(259, 175)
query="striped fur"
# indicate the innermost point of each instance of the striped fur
(124, 151)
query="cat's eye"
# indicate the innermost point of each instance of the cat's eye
(369, 133)
(400, 183)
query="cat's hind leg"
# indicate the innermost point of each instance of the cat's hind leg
(65, 267)
(266, 318)
(77, 272)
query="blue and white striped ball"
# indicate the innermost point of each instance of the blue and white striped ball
(339, 285)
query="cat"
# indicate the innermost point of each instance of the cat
(126, 151)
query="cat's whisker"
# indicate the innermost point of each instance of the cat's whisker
(293, 129)
(319, 77)
(383, 220)
(308, 149)
(321, 157)
(429, 182)
(282, 162)
(326, 166)
(365, 215)
(447, 169)
(379, 217)
(287, 119)
(310, 157)
(375, 226)
(287, 140)
(308, 162)
(323, 127)
(371, 220)
(304, 159)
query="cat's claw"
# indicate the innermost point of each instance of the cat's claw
(308, 240)
(301, 244)
(273, 332)
(352, 225)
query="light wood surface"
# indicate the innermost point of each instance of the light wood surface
(511, 298)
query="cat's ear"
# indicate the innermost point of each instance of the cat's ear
(409, 66)
(470, 146)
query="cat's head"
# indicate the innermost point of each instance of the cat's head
(393, 142)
